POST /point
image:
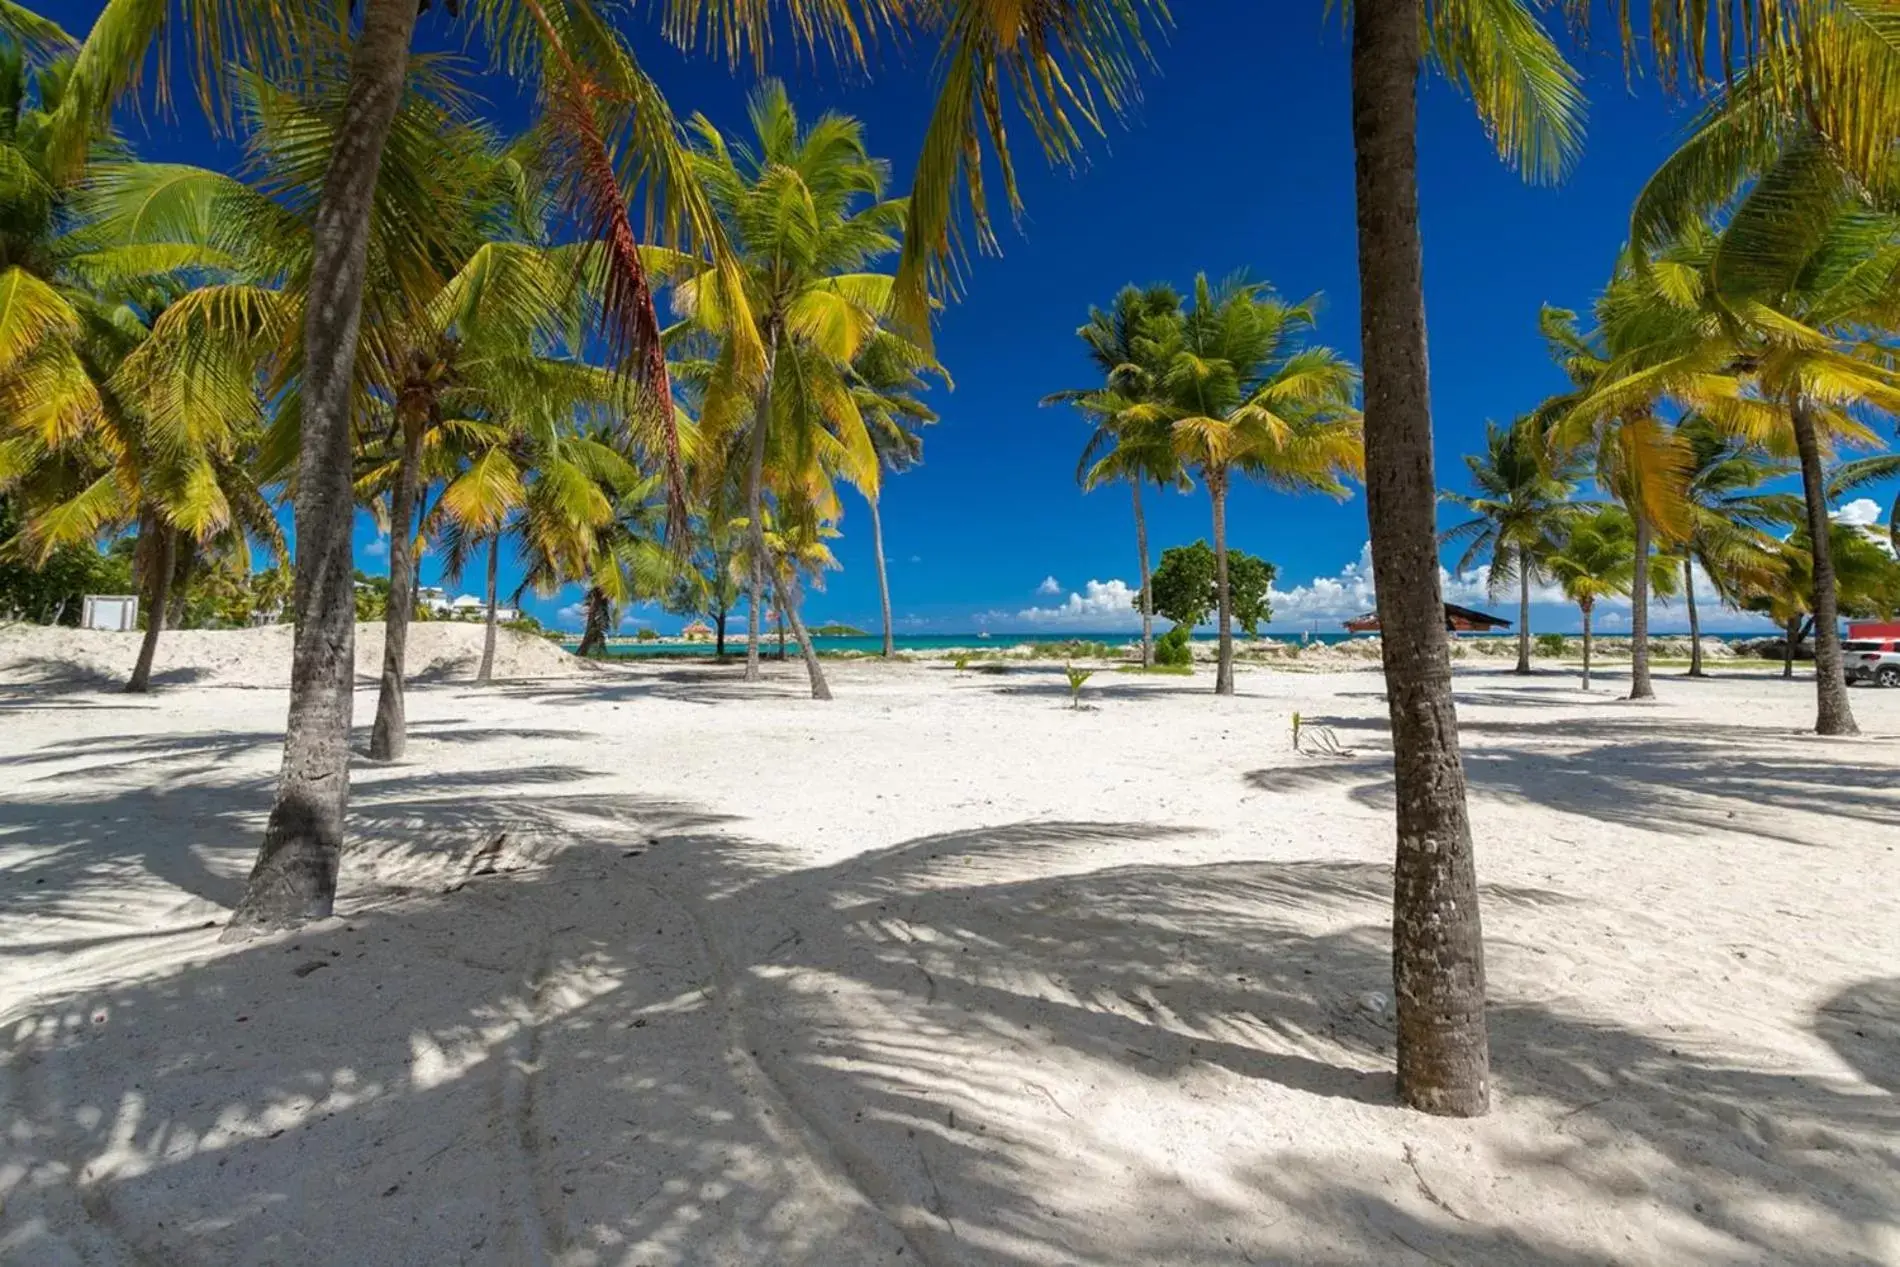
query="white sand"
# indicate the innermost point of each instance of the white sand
(437, 651)
(944, 972)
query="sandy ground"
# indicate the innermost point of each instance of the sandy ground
(945, 972)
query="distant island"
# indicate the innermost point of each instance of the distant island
(838, 631)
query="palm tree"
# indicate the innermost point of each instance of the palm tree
(1616, 415)
(886, 378)
(111, 413)
(535, 473)
(1124, 447)
(1520, 510)
(805, 211)
(620, 558)
(1805, 298)
(1764, 333)
(1528, 98)
(1729, 517)
(1242, 394)
(1060, 62)
(1868, 579)
(795, 542)
(1596, 560)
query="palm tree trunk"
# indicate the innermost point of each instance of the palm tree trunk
(1147, 584)
(1523, 612)
(184, 564)
(755, 509)
(1587, 644)
(883, 580)
(294, 878)
(486, 672)
(1788, 647)
(788, 610)
(1695, 623)
(158, 595)
(1224, 661)
(1640, 686)
(390, 735)
(719, 642)
(1437, 937)
(594, 634)
(1833, 716)
(781, 624)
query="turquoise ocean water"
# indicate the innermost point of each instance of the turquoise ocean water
(922, 643)
(927, 643)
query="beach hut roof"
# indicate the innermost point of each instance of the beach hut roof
(1457, 619)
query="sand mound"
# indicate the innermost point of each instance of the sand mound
(260, 657)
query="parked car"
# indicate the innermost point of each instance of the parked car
(1875, 660)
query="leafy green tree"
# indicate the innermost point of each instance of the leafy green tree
(1522, 502)
(1187, 587)
(1249, 581)
(1184, 584)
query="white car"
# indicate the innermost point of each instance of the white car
(1875, 660)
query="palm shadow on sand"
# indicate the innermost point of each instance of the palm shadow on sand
(661, 1034)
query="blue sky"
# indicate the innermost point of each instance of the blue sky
(1237, 157)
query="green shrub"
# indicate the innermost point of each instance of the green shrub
(1172, 647)
(647, 634)
(1550, 644)
(962, 660)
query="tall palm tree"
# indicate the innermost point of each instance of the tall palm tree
(1778, 302)
(805, 212)
(1519, 512)
(1124, 447)
(1616, 415)
(1501, 56)
(1242, 394)
(1806, 289)
(885, 381)
(1729, 518)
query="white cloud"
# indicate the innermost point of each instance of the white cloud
(1325, 601)
(1351, 591)
(571, 616)
(378, 548)
(916, 558)
(1102, 605)
(1050, 586)
(1863, 512)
